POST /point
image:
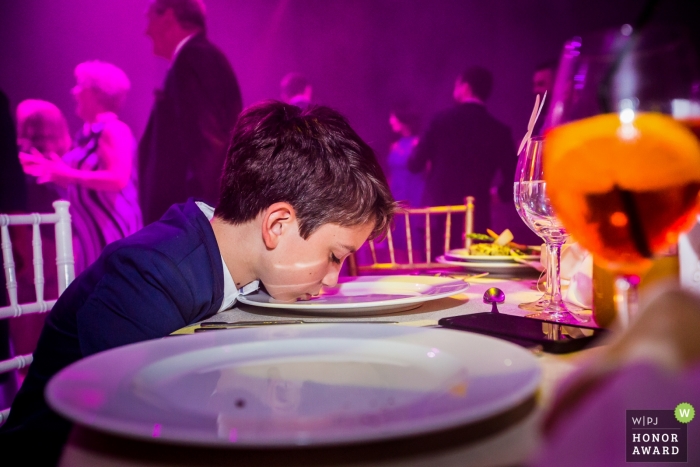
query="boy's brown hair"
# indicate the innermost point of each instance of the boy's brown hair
(311, 159)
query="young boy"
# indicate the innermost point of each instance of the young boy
(300, 192)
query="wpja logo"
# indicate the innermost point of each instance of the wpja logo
(659, 435)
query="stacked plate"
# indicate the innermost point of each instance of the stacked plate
(366, 296)
(491, 264)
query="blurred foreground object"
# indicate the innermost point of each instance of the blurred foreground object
(653, 365)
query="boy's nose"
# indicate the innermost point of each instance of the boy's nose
(331, 279)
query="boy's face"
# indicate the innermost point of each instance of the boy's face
(298, 268)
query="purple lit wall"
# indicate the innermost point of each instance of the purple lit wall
(361, 55)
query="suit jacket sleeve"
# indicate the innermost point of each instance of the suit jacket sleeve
(142, 295)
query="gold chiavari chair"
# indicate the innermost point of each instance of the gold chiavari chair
(412, 264)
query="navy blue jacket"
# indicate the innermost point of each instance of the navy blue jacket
(146, 286)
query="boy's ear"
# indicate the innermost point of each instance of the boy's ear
(277, 220)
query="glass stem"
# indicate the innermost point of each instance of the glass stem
(554, 273)
(626, 301)
(548, 279)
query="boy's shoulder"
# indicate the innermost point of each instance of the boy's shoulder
(181, 232)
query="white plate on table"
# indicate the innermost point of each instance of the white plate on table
(492, 267)
(366, 295)
(296, 385)
(462, 254)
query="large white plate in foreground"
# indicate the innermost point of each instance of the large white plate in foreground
(367, 295)
(307, 384)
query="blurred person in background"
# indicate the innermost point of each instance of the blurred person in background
(181, 153)
(42, 127)
(407, 187)
(295, 89)
(13, 199)
(98, 172)
(466, 147)
(543, 81)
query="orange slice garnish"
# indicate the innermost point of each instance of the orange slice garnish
(593, 155)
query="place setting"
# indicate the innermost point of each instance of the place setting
(495, 254)
(290, 382)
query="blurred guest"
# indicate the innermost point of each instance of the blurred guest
(466, 146)
(405, 185)
(13, 198)
(296, 90)
(542, 81)
(181, 153)
(42, 126)
(13, 191)
(98, 172)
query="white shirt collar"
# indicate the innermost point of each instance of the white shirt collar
(182, 44)
(230, 292)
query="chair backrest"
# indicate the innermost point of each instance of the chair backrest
(64, 263)
(411, 264)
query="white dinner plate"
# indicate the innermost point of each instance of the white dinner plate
(492, 267)
(462, 254)
(292, 385)
(366, 295)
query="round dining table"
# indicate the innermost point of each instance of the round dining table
(507, 439)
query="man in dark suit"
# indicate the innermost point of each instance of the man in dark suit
(465, 147)
(182, 151)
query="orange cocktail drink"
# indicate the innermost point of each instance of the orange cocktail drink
(624, 185)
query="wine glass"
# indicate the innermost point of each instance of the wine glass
(535, 209)
(533, 144)
(622, 164)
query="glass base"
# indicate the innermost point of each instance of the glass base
(538, 305)
(543, 304)
(561, 313)
(560, 317)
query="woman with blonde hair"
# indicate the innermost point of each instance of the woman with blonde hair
(98, 173)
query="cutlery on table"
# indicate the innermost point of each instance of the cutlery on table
(217, 325)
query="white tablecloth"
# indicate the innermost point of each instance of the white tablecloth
(510, 443)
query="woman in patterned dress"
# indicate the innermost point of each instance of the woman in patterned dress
(98, 172)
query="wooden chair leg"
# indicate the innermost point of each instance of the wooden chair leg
(352, 265)
(468, 222)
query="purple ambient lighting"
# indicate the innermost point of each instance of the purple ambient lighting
(156, 430)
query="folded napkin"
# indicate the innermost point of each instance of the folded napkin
(577, 270)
